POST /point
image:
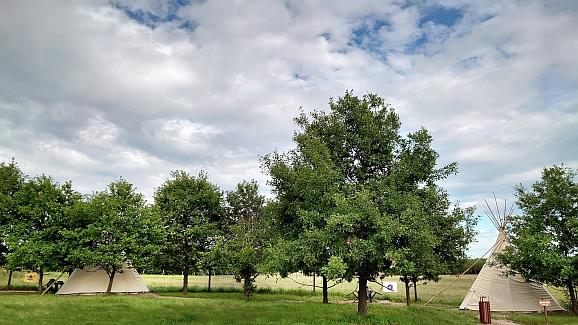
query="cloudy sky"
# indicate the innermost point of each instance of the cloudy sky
(92, 90)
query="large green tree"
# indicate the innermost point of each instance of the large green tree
(192, 213)
(118, 229)
(544, 238)
(376, 175)
(431, 239)
(11, 180)
(35, 238)
(248, 233)
(304, 181)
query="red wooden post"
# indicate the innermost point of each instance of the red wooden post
(484, 308)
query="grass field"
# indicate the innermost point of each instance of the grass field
(278, 301)
(153, 310)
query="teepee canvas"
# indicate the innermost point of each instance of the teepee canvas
(505, 293)
(93, 280)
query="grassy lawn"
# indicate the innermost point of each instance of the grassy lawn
(538, 319)
(17, 309)
(277, 301)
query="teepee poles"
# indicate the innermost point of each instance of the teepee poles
(499, 222)
(457, 277)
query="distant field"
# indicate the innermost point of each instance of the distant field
(452, 296)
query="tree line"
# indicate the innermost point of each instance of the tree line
(354, 199)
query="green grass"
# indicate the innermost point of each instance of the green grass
(538, 319)
(154, 310)
(276, 301)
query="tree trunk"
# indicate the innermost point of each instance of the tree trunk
(572, 294)
(414, 289)
(9, 277)
(325, 290)
(111, 280)
(40, 280)
(185, 288)
(209, 287)
(313, 282)
(406, 281)
(247, 286)
(362, 304)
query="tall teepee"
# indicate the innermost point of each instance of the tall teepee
(505, 293)
(93, 280)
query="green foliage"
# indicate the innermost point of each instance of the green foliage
(304, 181)
(118, 228)
(356, 189)
(248, 233)
(11, 180)
(35, 237)
(335, 268)
(461, 265)
(192, 215)
(544, 239)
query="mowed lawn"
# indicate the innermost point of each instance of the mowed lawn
(279, 301)
(154, 310)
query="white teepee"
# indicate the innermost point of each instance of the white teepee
(93, 280)
(505, 293)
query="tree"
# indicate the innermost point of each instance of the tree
(431, 240)
(248, 233)
(120, 229)
(544, 238)
(11, 180)
(374, 171)
(192, 214)
(34, 238)
(304, 181)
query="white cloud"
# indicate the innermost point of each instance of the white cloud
(89, 94)
(98, 132)
(184, 135)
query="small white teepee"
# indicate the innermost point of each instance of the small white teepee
(93, 280)
(505, 293)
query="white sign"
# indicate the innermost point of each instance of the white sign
(544, 303)
(389, 286)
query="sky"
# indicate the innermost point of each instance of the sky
(94, 90)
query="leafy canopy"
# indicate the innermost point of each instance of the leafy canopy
(359, 193)
(544, 238)
(118, 228)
